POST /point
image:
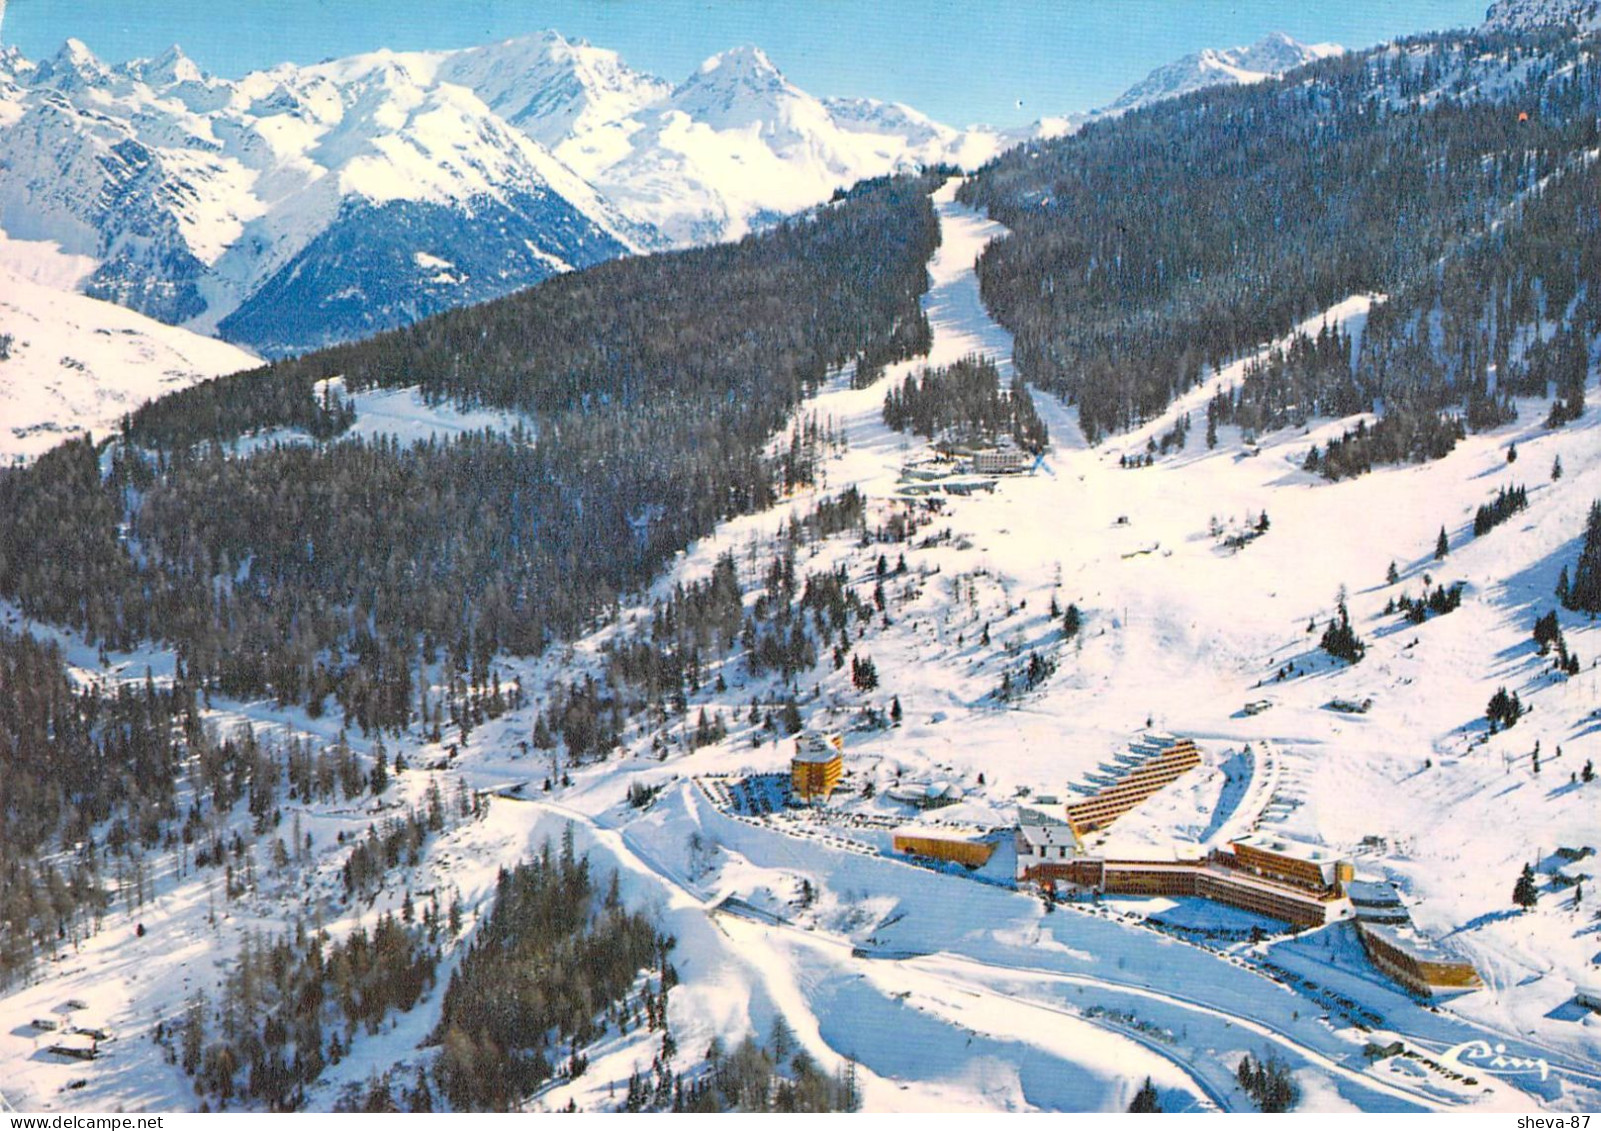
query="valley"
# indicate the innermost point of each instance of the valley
(724, 599)
(1010, 1006)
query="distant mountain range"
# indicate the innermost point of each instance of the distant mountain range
(304, 205)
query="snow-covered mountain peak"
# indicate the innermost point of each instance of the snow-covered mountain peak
(169, 68)
(560, 92)
(1528, 15)
(1267, 58)
(14, 66)
(746, 59)
(736, 88)
(72, 68)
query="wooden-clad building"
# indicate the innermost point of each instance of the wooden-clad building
(940, 844)
(1418, 963)
(1284, 893)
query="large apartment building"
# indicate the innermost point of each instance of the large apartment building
(1150, 764)
(816, 768)
(1300, 884)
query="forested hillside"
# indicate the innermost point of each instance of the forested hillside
(1445, 172)
(651, 388)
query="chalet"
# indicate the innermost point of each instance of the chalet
(76, 1046)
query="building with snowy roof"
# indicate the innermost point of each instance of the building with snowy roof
(1040, 846)
(1275, 885)
(958, 846)
(816, 768)
(1289, 862)
(1376, 902)
(1418, 962)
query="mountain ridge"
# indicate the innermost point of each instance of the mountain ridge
(202, 199)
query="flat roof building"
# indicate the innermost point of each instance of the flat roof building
(1419, 963)
(954, 845)
(816, 767)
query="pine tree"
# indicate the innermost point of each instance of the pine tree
(1071, 622)
(1556, 469)
(1442, 545)
(1584, 593)
(1524, 893)
(1146, 1099)
(1392, 575)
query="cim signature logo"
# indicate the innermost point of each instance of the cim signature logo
(1485, 1057)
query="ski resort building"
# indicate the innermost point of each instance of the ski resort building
(1044, 850)
(1417, 962)
(1005, 459)
(1288, 862)
(815, 769)
(1276, 881)
(1376, 903)
(955, 846)
(1151, 763)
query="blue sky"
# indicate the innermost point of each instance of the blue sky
(1004, 62)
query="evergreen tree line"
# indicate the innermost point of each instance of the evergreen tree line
(1340, 639)
(1308, 376)
(687, 640)
(1548, 635)
(1507, 502)
(1437, 601)
(777, 1075)
(77, 763)
(337, 570)
(1181, 235)
(1583, 592)
(1401, 435)
(964, 402)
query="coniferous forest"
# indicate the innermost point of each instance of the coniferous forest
(1447, 173)
(327, 574)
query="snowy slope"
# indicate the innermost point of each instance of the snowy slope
(1529, 15)
(75, 363)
